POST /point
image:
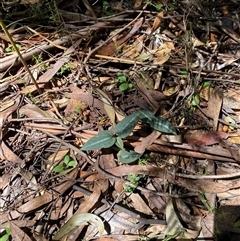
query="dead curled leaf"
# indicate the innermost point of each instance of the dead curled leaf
(205, 138)
(157, 23)
(180, 223)
(110, 48)
(77, 220)
(17, 233)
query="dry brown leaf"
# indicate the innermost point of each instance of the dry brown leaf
(139, 204)
(73, 109)
(207, 186)
(33, 111)
(215, 105)
(178, 213)
(147, 141)
(87, 98)
(55, 157)
(137, 4)
(7, 154)
(55, 214)
(108, 105)
(21, 223)
(4, 179)
(89, 203)
(157, 23)
(204, 138)
(111, 48)
(17, 233)
(232, 99)
(162, 55)
(41, 200)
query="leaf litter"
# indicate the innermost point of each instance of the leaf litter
(180, 64)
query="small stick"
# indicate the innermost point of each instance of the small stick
(19, 54)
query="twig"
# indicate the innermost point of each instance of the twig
(19, 55)
(205, 177)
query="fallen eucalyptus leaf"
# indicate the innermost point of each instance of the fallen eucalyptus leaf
(77, 220)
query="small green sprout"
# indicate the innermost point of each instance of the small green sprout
(124, 84)
(157, 6)
(7, 234)
(135, 180)
(144, 160)
(106, 9)
(68, 162)
(10, 49)
(65, 68)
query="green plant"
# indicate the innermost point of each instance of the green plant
(107, 138)
(205, 202)
(171, 237)
(106, 9)
(184, 74)
(124, 84)
(157, 6)
(11, 49)
(38, 60)
(144, 160)
(6, 236)
(135, 180)
(68, 162)
(31, 97)
(65, 68)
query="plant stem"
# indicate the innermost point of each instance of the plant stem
(19, 54)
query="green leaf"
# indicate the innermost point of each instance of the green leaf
(125, 126)
(104, 139)
(146, 114)
(160, 124)
(71, 163)
(195, 99)
(128, 156)
(66, 160)
(122, 78)
(124, 86)
(8, 50)
(157, 123)
(206, 84)
(8, 230)
(77, 220)
(5, 237)
(58, 168)
(158, 6)
(119, 143)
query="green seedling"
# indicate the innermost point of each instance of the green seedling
(11, 49)
(38, 60)
(107, 138)
(106, 9)
(158, 6)
(124, 84)
(184, 74)
(135, 180)
(205, 202)
(144, 160)
(65, 69)
(67, 163)
(7, 234)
